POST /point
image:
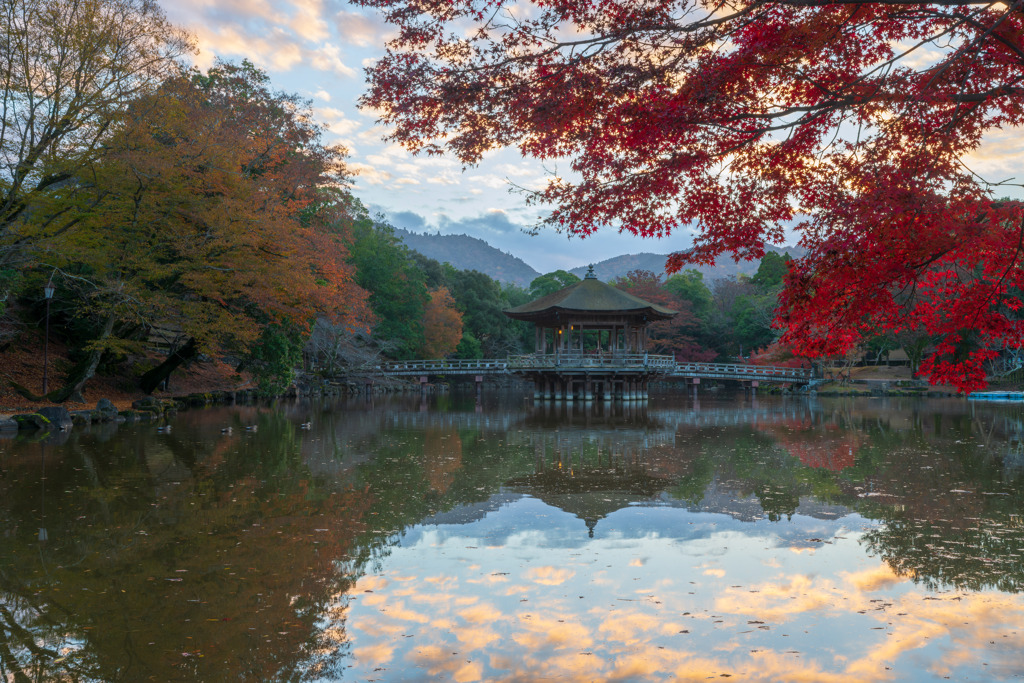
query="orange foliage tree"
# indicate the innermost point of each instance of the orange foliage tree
(442, 325)
(221, 214)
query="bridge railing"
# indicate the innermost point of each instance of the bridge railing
(442, 366)
(595, 361)
(767, 372)
(537, 361)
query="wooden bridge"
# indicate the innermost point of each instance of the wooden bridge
(586, 364)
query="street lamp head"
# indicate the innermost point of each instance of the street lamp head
(49, 289)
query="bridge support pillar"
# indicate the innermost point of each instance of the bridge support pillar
(479, 384)
(423, 384)
(588, 390)
(696, 383)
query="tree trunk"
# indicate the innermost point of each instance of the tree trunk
(81, 374)
(152, 379)
(78, 376)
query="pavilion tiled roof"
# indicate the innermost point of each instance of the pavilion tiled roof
(589, 295)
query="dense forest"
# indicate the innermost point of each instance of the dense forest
(142, 197)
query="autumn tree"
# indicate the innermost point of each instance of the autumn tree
(678, 335)
(216, 212)
(849, 121)
(442, 325)
(68, 70)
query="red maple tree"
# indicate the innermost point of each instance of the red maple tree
(677, 335)
(850, 121)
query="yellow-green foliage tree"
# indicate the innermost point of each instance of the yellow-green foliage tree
(68, 70)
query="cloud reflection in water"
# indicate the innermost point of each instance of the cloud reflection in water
(635, 603)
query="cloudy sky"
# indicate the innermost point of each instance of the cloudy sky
(318, 48)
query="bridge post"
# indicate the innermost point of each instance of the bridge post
(423, 384)
(696, 383)
(479, 384)
(588, 392)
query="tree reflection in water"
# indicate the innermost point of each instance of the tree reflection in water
(200, 555)
(182, 556)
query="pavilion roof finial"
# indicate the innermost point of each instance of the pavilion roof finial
(590, 272)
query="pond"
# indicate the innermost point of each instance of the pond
(758, 538)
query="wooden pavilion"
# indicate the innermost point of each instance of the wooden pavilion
(591, 341)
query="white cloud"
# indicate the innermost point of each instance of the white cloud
(361, 30)
(336, 120)
(328, 58)
(998, 159)
(368, 175)
(308, 21)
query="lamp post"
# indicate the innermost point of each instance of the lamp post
(48, 293)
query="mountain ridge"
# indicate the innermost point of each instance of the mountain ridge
(618, 266)
(466, 252)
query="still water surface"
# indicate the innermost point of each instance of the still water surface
(757, 539)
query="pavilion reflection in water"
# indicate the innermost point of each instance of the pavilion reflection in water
(592, 462)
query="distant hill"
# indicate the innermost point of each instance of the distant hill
(470, 253)
(620, 265)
